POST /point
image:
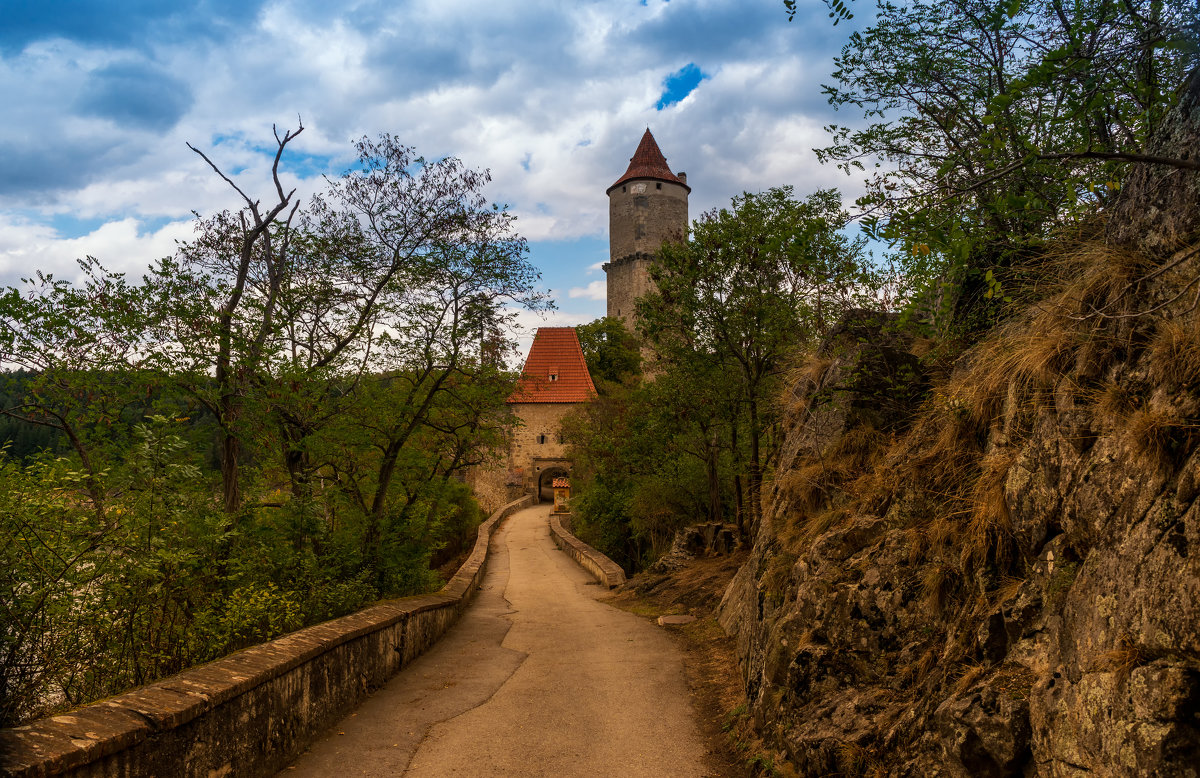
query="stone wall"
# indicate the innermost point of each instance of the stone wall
(628, 280)
(252, 712)
(642, 215)
(527, 455)
(603, 569)
(493, 485)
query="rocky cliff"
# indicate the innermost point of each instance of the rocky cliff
(995, 570)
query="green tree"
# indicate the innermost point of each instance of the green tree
(755, 282)
(611, 351)
(82, 349)
(991, 124)
(267, 319)
(638, 467)
(345, 363)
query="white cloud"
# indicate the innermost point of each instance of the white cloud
(527, 323)
(565, 88)
(595, 290)
(121, 246)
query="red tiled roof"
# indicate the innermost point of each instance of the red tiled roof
(561, 483)
(555, 352)
(648, 162)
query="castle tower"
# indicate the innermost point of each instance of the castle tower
(647, 207)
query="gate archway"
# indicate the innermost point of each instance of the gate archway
(546, 478)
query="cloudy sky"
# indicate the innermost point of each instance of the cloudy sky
(551, 95)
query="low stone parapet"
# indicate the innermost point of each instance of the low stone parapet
(603, 569)
(254, 711)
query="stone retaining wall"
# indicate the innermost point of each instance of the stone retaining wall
(252, 712)
(603, 569)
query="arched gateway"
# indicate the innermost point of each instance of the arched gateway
(554, 381)
(546, 482)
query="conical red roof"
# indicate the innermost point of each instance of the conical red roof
(555, 370)
(648, 162)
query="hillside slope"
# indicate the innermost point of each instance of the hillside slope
(996, 571)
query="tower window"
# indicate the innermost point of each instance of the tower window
(554, 376)
(658, 186)
(542, 438)
(622, 189)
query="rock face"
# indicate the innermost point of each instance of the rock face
(1159, 210)
(995, 572)
(697, 540)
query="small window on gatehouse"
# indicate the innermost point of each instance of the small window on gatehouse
(542, 438)
(658, 186)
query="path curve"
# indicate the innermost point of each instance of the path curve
(537, 679)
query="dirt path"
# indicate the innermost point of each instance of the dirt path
(537, 679)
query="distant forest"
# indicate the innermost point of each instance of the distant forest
(19, 438)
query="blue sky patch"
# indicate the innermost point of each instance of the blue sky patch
(563, 264)
(680, 84)
(136, 23)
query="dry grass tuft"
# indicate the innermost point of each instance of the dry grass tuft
(822, 522)
(925, 665)
(807, 486)
(1175, 354)
(851, 758)
(938, 581)
(1113, 404)
(1095, 277)
(800, 382)
(989, 531)
(971, 673)
(1010, 587)
(812, 486)
(1127, 656)
(877, 769)
(941, 531)
(941, 451)
(1154, 433)
(916, 672)
(872, 490)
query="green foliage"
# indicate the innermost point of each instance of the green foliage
(692, 443)
(754, 283)
(268, 431)
(246, 616)
(612, 352)
(838, 10)
(23, 439)
(639, 472)
(989, 126)
(602, 519)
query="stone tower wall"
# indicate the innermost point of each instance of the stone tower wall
(628, 279)
(642, 215)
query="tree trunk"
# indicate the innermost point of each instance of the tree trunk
(231, 489)
(739, 502)
(755, 490)
(714, 479)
